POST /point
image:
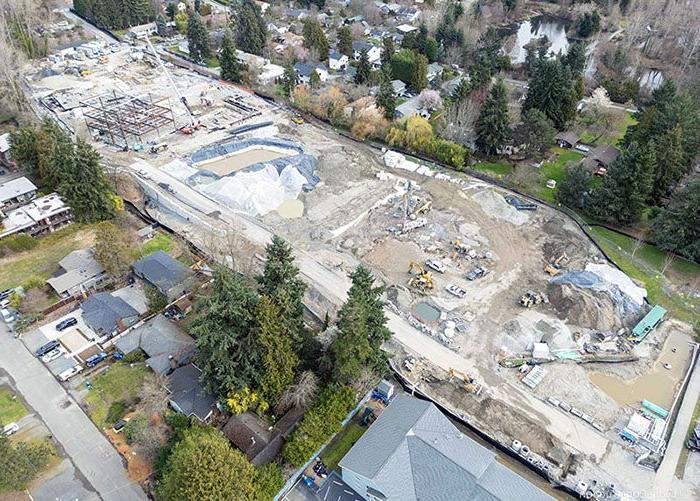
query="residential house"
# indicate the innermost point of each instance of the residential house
(337, 61)
(304, 71)
(166, 345)
(434, 71)
(410, 107)
(408, 14)
(399, 88)
(374, 53)
(78, 272)
(143, 30)
(412, 451)
(5, 150)
(187, 395)
(39, 217)
(16, 192)
(405, 29)
(267, 71)
(447, 88)
(567, 139)
(296, 14)
(108, 315)
(600, 158)
(169, 276)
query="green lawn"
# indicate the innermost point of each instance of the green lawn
(11, 411)
(645, 267)
(342, 443)
(160, 241)
(43, 259)
(556, 170)
(497, 169)
(119, 382)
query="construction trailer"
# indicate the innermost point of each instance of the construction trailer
(124, 120)
(650, 321)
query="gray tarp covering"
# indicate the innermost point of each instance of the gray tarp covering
(625, 305)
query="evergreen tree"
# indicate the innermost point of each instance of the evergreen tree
(492, 129)
(462, 91)
(431, 49)
(161, 27)
(231, 68)
(279, 358)
(386, 98)
(289, 80)
(677, 227)
(572, 190)
(138, 11)
(227, 350)
(171, 10)
(197, 6)
(387, 54)
(345, 41)
(421, 38)
(198, 38)
(361, 328)
(419, 78)
(536, 132)
(364, 69)
(551, 91)
(83, 183)
(281, 283)
(314, 80)
(576, 57)
(626, 186)
(315, 38)
(251, 30)
(669, 165)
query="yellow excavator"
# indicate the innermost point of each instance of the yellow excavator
(421, 279)
(469, 384)
(555, 266)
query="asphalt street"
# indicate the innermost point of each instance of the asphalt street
(91, 453)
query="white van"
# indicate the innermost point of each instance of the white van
(9, 429)
(69, 373)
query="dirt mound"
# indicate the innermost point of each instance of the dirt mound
(584, 308)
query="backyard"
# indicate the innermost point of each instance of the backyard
(121, 382)
(42, 260)
(342, 443)
(11, 409)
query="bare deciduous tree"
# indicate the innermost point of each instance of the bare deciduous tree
(301, 394)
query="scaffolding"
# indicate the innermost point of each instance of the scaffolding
(121, 118)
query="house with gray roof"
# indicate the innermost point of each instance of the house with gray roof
(108, 315)
(413, 452)
(187, 395)
(169, 276)
(16, 192)
(165, 344)
(79, 271)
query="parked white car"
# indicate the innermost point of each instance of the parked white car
(7, 316)
(436, 265)
(69, 373)
(52, 355)
(10, 428)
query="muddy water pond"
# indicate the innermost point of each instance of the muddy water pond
(537, 27)
(224, 166)
(426, 312)
(657, 386)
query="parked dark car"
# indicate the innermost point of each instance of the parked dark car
(6, 293)
(96, 359)
(64, 324)
(119, 425)
(50, 346)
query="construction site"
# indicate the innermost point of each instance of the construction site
(502, 310)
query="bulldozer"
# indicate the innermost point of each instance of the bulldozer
(421, 279)
(469, 384)
(532, 298)
(555, 266)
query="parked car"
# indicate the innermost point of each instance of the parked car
(52, 355)
(456, 290)
(119, 425)
(69, 373)
(7, 316)
(10, 428)
(582, 148)
(64, 324)
(477, 272)
(436, 265)
(50, 346)
(6, 293)
(96, 359)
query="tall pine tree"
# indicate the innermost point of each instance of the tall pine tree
(364, 69)
(677, 227)
(251, 31)
(345, 41)
(386, 98)
(224, 329)
(551, 91)
(388, 51)
(315, 38)
(198, 38)
(492, 129)
(231, 68)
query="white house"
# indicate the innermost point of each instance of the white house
(374, 53)
(304, 71)
(337, 61)
(405, 29)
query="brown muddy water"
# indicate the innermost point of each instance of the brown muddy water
(224, 166)
(659, 385)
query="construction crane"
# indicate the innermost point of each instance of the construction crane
(193, 125)
(422, 279)
(469, 384)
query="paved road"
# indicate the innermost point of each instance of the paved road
(665, 476)
(91, 453)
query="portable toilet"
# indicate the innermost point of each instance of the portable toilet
(384, 390)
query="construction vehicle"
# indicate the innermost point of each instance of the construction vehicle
(421, 279)
(555, 266)
(469, 384)
(157, 148)
(462, 250)
(532, 298)
(297, 119)
(424, 208)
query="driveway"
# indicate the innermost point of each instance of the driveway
(92, 454)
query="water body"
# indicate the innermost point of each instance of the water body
(223, 166)
(537, 27)
(426, 312)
